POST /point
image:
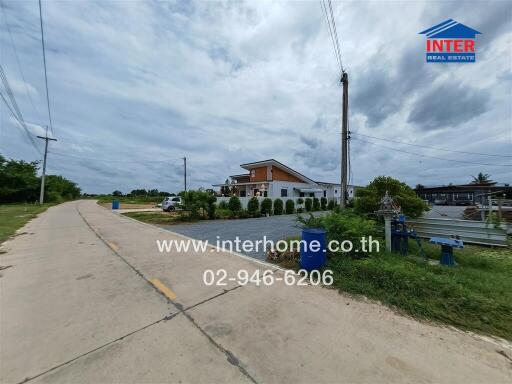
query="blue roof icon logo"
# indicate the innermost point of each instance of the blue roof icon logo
(450, 29)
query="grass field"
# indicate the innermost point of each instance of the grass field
(130, 200)
(14, 216)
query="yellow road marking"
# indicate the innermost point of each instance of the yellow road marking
(163, 288)
(113, 246)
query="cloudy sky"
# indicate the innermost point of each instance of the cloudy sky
(135, 86)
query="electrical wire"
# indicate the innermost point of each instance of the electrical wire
(427, 146)
(430, 157)
(336, 35)
(14, 109)
(44, 62)
(114, 160)
(19, 63)
(336, 55)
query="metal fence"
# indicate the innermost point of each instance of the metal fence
(469, 231)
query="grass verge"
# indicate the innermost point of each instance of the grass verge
(475, 295)
(14, 216)
(159, 218)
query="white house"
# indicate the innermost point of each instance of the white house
(270, 178)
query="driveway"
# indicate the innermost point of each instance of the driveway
(446, 212)
(274, 228)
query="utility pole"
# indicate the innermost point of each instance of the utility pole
(185, 173)
(46, 139)
(344, 139)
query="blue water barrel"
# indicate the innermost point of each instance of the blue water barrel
(313, 259)
(115, 204)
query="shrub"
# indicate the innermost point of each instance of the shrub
(330, 206)
(266, 206)
(290, 206)
(300, 201)
(234, 204)
(323, 203)
(309, 203)
(344, 225)
(253, 206)
(300, 210)
(223, 205)
(198, 202)
(244, 214)
(221, 213)
(278, 207)
(368, 198)
(316, 204)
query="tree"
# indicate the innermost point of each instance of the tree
(482, 178)
(316, 204)
(199, 202)
(18, 181)
(278, 207)
(290, 206)
(323, 203)
(253, 206)
(234, 204)
(368, 198)
(117, 193)
(266, 206)
(58, 189)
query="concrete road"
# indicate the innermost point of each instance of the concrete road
(87, 298)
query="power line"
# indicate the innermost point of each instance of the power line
(19, 63)
(336, 35)
(336, 54)
(44, 61)
(427, 146)
(14, 109)
(115, 160)
(430, 157)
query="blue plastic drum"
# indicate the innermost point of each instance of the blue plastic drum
(313, 251)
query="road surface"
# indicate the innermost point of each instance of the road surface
(274, 228)
(87, 298)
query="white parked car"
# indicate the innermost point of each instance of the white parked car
(170, 203)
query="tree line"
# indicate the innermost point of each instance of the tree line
(19, 183)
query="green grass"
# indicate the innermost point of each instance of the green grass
(159, 218)
(475, 295)
(14, 216)
(130, 200)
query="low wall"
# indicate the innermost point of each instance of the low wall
(245, 200)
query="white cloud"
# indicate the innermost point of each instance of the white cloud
(227, 83)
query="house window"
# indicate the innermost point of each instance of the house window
(311, 194)
(242, 193)
(284, 192)
(325, 193)
(255, 192)
(301, 194)
(335, 191)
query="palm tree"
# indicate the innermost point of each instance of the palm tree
(482, 178)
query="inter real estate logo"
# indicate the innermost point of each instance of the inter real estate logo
(450, 42)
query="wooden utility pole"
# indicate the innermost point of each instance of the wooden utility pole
(46, 139)
(344, 140)
(185, 173)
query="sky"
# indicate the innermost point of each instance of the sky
(136, 86)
